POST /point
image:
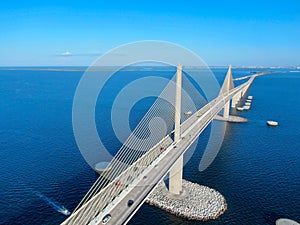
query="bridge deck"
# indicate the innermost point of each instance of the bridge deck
(154, 165)
(139, 190)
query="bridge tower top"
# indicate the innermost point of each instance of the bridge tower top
(228, 82)
(226, 87)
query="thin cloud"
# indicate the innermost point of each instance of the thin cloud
(69, 54)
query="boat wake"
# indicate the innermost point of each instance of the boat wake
(55, 205)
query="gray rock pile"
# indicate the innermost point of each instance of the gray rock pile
(197, 202)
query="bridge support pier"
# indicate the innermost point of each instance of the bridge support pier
(235, 100)
(240, 95)
(226, 110)
(175, 177)
(175, 174)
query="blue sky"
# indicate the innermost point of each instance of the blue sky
(37, 33)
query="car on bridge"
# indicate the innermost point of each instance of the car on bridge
(130, 202)
(106, 218)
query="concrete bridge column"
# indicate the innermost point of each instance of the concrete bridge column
(235, 100)
(244, 91)
(226, 110)
(175, 177)
(175, 174)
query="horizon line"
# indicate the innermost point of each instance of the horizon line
(149, 66)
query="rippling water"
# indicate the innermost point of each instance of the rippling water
(257, 169)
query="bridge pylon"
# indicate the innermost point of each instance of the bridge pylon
(175, 174)
(226, 87)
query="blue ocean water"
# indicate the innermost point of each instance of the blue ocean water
(257, 169)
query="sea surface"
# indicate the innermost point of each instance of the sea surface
(42, 171)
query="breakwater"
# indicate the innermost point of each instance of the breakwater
(196, 202)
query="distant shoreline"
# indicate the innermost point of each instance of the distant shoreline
(83, 68)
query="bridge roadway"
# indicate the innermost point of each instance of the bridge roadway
(257, 74)
(137, 191)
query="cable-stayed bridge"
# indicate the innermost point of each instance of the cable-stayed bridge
(140, 164)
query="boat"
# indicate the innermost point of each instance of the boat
(248, 100)
(250, 97)
(65, 212)
(246, 107)
(248, 103)
(240, 108)
(272, 123)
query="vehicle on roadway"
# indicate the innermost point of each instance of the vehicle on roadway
(106, 218)
(130, 202)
